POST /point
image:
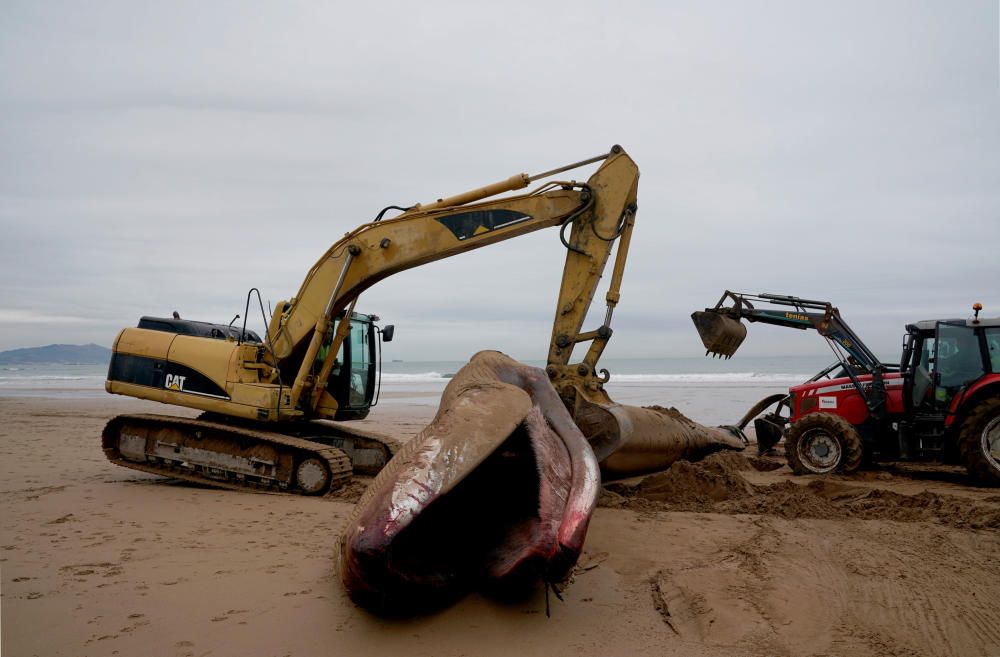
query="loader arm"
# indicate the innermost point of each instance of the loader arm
(722, 333)
(795, 313)
(592, 217)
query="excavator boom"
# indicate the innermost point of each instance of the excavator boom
(596, 213)
(257, 392)
(285, 377)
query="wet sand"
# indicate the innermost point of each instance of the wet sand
(100, 560)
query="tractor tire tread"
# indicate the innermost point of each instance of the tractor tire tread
(969, 434)
(850, 441)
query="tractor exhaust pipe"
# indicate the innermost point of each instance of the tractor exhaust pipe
(722, 335)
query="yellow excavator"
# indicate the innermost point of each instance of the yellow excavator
(274, 404)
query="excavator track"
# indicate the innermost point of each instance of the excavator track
(369, 451)
(224, 455)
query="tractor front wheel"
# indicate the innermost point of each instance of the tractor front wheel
(979, 442)
(821, 443)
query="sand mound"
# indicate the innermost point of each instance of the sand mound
(713, 479)
(688, 482)
(352, 491)
(726, 463)
(715, 485)
(669, 411)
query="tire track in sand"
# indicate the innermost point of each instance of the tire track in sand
(819, 587)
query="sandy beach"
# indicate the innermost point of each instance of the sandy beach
(725, 558)
(275, 212)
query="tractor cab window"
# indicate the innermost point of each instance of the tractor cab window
(927, 354)
(921, 383)
(958, 359)
(993, 348)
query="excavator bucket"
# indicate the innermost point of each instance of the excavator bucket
(721, 335)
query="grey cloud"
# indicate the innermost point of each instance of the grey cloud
(171, 156)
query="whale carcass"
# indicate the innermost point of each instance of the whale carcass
(495, 494)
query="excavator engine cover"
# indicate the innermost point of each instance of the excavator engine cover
(720, 334)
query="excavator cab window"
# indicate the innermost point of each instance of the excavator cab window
(352, 379)
(361, 362)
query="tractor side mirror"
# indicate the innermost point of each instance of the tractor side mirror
(387, 333)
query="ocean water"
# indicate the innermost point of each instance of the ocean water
(401, 375)
(52, 380)
(655, 370)
(712, 391)
(709, 390)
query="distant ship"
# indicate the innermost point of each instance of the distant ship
(397, 360)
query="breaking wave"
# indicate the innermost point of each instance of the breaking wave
(706, 377)
(689, 377)
(47, 377)
(422, 377)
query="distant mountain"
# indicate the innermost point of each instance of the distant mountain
(57, 353)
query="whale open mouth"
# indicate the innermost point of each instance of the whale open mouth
(494, 495)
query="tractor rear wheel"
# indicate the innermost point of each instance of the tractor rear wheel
(979, 442)
(821, 443)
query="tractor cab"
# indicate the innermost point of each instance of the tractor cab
(945, 357)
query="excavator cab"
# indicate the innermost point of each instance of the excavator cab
(356, 376)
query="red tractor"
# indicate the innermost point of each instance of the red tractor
(942, 402)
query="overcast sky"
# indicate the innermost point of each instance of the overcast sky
(162, 156)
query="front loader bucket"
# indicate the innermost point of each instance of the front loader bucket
(720, 334)
(768, 433)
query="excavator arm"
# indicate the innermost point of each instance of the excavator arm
(260, 395)
(285, 377)
(594, 214)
